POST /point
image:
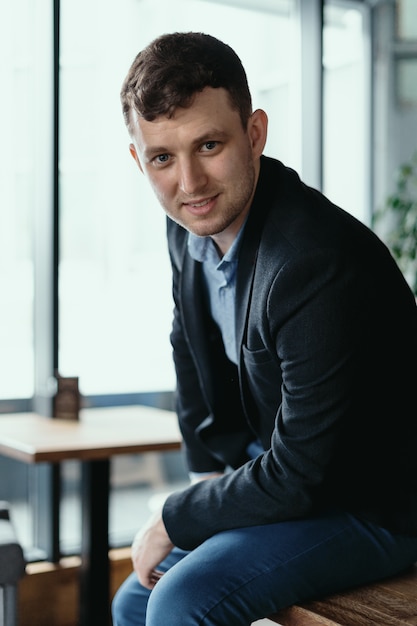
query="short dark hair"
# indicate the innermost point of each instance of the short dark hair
(174, 67)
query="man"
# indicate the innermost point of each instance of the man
(295, 346)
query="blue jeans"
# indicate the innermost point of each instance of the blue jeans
(239, 576)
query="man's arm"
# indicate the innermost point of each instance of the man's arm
(152, 544)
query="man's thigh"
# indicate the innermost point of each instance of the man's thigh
(241, 575)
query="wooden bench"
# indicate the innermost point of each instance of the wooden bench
(390, 602)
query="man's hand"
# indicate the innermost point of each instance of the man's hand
(150, 546)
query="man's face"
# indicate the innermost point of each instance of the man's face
(202, 164)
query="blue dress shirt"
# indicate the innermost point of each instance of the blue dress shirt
(220, 282)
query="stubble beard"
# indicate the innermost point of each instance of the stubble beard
(240, 201)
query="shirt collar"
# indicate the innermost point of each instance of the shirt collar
(202, 249)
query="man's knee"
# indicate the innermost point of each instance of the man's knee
(129, 604)
(118, 608)
(170, 598)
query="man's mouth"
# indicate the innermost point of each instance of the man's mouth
(200, 207)
(199, 204)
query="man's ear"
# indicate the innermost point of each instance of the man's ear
(257, 130)
(134, 154)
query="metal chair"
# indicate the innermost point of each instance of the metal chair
(12, 568)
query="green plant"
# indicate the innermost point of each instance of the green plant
(400, 221)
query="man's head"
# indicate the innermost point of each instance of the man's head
(172, 69)
(188, 111)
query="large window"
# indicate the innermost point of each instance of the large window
(346, 107)
(406, 54)
(115, 295)
(113, 276)
(115, 306)
(17, 183)
(115, 285)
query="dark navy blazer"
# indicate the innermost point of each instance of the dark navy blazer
(326, 331)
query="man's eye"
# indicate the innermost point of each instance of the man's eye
(210, 145)
(162, 158)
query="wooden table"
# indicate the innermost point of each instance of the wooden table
(99, 435)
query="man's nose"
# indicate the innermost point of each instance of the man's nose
(192, 177)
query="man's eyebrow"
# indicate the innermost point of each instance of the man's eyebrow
(153, 151)
(212, 134)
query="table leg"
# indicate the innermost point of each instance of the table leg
(45, 500)
(94, 583)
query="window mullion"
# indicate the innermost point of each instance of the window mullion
(47, 478)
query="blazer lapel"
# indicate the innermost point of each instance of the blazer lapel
(248, 259)
(244, 282)
(195, 315)
(249, 253)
